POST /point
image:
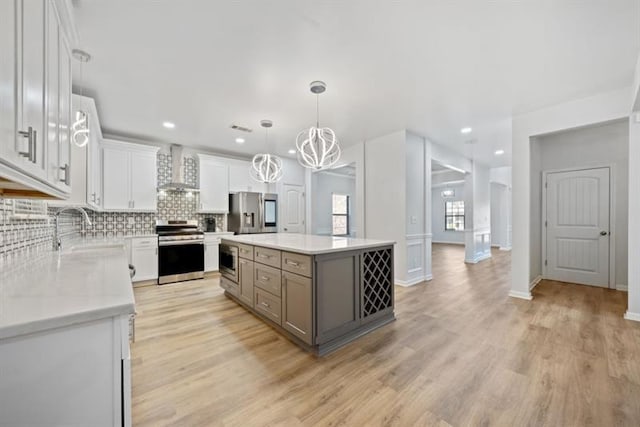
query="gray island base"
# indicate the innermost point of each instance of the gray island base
(321, 292)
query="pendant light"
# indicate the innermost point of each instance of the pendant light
(318, 147)
(266, 168)
(80, 126)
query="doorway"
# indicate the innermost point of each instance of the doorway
(577, 226)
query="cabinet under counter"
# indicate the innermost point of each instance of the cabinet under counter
(321, 292)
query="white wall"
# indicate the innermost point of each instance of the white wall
(496, 215)
(596, 145)
(325, 184)
(437, 215)
(477, 206)
(596, 109)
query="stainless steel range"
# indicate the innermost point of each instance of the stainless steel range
(180, 251)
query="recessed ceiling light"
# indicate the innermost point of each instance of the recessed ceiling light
(240, 140)
(465, 130)
(499, 152)
(292, 151)
(169, 125)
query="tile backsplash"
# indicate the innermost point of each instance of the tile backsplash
(28, 235)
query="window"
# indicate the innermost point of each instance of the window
(454, 216)
(340, 214)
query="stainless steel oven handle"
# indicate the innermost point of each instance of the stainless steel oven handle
(181, 242)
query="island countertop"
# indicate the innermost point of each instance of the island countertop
(54, 289)
(308, 244)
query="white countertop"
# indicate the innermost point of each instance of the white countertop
(88, 280)
(307, 243)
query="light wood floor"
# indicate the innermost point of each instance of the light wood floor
(460, 353)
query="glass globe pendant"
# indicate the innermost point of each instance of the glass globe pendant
(265, 167)
(317, 147)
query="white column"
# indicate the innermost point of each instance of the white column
(477, 206)
(633, 308)
(505, 220)
(428, 209)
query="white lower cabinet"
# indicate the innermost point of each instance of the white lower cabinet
(144, 257)
(75, 375)
(211, 255)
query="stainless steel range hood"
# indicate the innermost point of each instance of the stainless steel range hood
(177, 182)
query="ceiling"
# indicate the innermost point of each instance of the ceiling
(432, 67)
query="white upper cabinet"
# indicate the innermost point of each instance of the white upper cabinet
(214, 184)
(129, 176)
(35, 72)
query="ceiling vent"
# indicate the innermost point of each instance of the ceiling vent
(240, 128)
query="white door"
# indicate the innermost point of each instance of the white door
(293, 211)
(577, 244)
(144, 181)
(116, 191)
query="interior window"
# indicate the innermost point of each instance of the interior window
(340, 214)
(454, 216)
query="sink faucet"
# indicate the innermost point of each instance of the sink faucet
(57, 243)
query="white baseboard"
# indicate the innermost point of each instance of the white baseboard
(521, 295)
(505, 248)
(478, 259)
(413, 282)
(534, 282)
(622, 288)
(447, 243)
(632, 316)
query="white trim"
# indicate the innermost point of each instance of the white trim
(612, 216)
(457, 183)
(534, 283)
(413, 282)
(623, 288)
(521, 295)
(442, 242)
(478, 259)
(632, 316)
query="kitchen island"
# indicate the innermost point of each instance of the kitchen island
(322, 292)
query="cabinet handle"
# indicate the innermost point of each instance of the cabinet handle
(35, 146)
(265, 278)
(292, 263)
(265, 304)
(156, 251)
(263, 256)
(29, 135)
(67, 174)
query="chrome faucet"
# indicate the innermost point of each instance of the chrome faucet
(57, 243)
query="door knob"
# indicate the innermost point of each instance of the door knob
(603, 233)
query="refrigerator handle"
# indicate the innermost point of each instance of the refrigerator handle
(261, 212)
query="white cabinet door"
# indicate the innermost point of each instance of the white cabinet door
(8, 43)
(214, 186)
(143, 181)
(211, 254)
(52, 99)
(145, 260)
(64, 117)
(31, 87)
(116, 193)
(240, 179)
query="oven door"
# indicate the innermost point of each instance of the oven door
(180, 260)
(229, 262)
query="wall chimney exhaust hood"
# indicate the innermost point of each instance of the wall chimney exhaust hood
(177, 182)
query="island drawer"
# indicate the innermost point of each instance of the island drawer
(245, 251)
(229, 286)
(296, 263)
(268, 279)
(267, 256)
(268, 305)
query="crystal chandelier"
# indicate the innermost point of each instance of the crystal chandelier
(80, 127)
(266, 168)
(318, 147)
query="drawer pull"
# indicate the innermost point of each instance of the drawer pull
(265, 304)
(260, 255)
(293, 263)
(265, 279)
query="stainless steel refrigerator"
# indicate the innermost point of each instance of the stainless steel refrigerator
(251, 213)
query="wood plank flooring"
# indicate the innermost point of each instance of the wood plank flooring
(460, 353)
